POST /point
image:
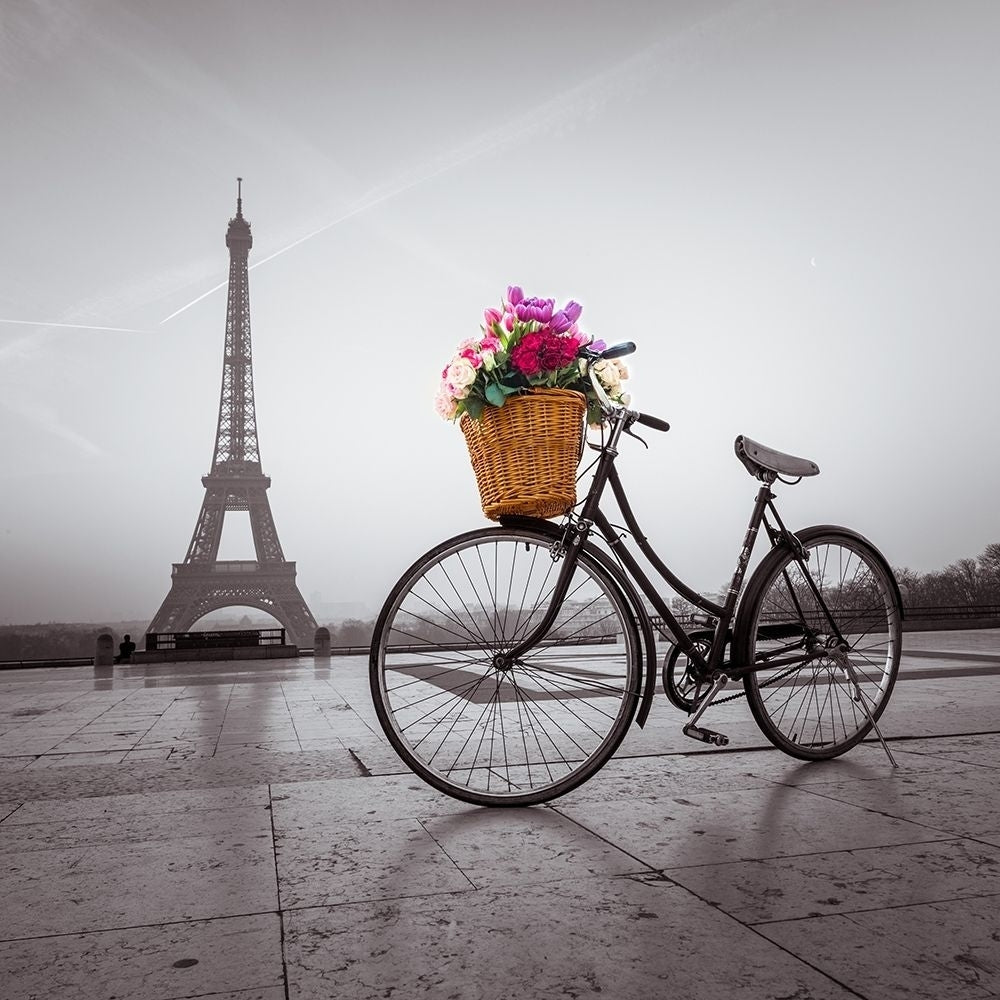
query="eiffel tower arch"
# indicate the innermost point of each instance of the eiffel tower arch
(203, 582)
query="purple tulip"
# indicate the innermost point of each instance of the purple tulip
(566, 317)
(534, 309)
(514, 294)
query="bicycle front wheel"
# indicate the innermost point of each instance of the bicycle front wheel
(837, 613)
(470, 724)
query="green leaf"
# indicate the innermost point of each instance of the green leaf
(495, 394)
(473, 406)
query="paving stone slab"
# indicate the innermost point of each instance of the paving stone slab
(982, 750)
(336, 800)
(236, 958)
(845, 881)
(381, 859)
(89, 758)
(376, 756)
(737, 825)
(144, 804)
(123, 885)
(496, 848)
(590, 937)
(125, 778)
(131, 827)
(960, 801)
(934, 951)
(866, 762)
(15, 763)
(684, 774)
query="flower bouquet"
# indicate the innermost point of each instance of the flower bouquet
(527, 343)
(521, 391)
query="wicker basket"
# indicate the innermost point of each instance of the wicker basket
(525, 453)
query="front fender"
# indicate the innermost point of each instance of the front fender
(648, 656)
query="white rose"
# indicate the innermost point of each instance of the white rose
(607, 373)
(460, 374)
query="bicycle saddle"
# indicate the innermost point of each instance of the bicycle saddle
(761, 460)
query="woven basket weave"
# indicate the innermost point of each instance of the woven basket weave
(525, 453)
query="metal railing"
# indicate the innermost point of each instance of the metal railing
(231, 638)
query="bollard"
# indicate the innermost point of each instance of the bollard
(104, 654)
(321, 642)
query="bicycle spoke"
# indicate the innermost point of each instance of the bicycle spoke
(483, 728)
(845, 604)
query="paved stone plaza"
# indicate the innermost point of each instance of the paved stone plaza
(242, 830)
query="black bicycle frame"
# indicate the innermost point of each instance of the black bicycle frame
(578, 530)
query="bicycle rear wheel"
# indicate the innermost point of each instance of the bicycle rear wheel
(840, 610)
(503, 734)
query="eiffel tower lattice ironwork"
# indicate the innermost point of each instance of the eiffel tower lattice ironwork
(203, 582)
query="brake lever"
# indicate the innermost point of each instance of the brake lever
(632, 433)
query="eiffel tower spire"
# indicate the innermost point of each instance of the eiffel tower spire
(203, 583)
(236, 447)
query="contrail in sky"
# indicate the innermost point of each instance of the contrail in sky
(72, 326)
(553, 115)
(357, 210)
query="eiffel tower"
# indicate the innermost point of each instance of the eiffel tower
(203, 582)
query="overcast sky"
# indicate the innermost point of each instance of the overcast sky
(790, 206)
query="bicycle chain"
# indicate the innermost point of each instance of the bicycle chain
(767, 683)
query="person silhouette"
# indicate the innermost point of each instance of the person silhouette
(125, 649)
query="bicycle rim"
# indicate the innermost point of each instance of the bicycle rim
(495, 735)
(822, 708)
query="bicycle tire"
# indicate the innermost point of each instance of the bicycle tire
(813, 711)
(516, 735)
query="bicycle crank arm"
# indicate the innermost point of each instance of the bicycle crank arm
(707, 735)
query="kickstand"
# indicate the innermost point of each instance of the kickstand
(860, 698)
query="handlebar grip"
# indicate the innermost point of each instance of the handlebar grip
(618, 350)
(649, 421)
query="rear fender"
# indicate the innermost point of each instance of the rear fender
(804, 535)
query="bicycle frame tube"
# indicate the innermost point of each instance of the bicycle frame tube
(578, 533)
(800, 559)
(647, 550)
(725, 613)
(591, 516)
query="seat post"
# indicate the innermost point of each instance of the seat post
(764, 497)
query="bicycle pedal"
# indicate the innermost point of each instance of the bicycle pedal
(706, 735)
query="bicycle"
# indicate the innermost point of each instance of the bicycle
(508, 662)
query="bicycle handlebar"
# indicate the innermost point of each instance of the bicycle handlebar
(648, 420)
(619, 351)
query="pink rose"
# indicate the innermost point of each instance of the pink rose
(445, 405)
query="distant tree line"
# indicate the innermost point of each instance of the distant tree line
(352, 632)
(55, 641)
(962, 583)
(967, 582)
